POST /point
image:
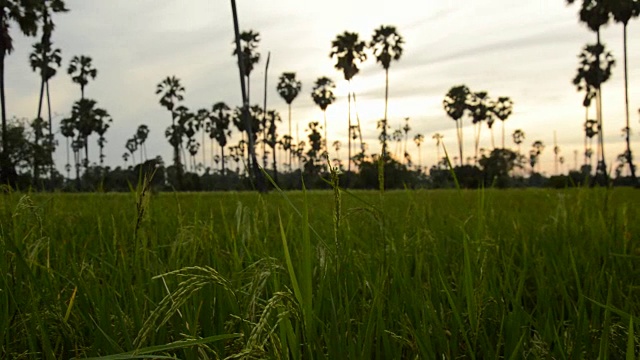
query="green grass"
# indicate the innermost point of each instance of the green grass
(403, 274)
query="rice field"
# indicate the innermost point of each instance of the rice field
(445, 274)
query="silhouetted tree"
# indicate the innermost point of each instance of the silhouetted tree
(322, 95)
(419, 139)
(220, 120)
(348, 50)
(249, 41)
(455, 104)
(518, 138)
(480, 107)
(142, 133)
(81, 69)
(172, 93)
(623, 11)
(502, 109)
(103, 121)
(289, 88)
(26, 15)
(386, 45)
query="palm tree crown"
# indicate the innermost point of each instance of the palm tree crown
(386, 45)
(81, 69)
(348, 50)
(171, 91)
(322, 93)
(289, 87)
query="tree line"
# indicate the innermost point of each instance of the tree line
(28, 146)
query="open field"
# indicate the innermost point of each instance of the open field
(408, 274)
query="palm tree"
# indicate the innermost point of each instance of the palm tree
(456, 104)
(592, 72)
(480, 106)
(46, 60)
(348, 50)
(406, 129)
(438, 138)
(25, 15)
(132, 147)
(142, 133)
(103, 121)
(249, 41)
(220, 116)
(518, 138)
(502, 109)
(68, 130)
(386, 45)
(81, 69)
(322, 95)
(289, 88)
(538, 147)
(419, 139)
(86, 117)
(202, 121)
(595, 14)
(623, 11)
(272, 139)
(172, 93)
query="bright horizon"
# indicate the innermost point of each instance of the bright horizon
(528, 53)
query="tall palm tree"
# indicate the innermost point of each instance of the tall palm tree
(386, 45)
(480, 106)
(103, 121)
(419, 139)
(46, 60)
(132, 147)
(81, 69)
(595, 14)
(272, 139)
(456, 105)
(502, 109)
(538, 147)
(86, 116)
(220, 116)
(25, 14)
(288, 88)
(406, 128)
(623, 11)
(142, 134)
(438, 138)
(518, 137)
(348, 51)
(322, 95)
(202, 120)
(595, 68)
(172, 93)
(68, 130)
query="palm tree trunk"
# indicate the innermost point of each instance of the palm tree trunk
(502, 134)
(460, 139)
(603, 163)
(479, 129)
(626, 101)
(326, 139)
(348, 134)
(50, 130)
(6, 171)
(355, 105)
(264, 119)
(222, 158)
(68, 164)
(290, 152)
(275, 164)
(36, 166)
(384, 125)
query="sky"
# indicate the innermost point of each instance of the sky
(527, 52)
